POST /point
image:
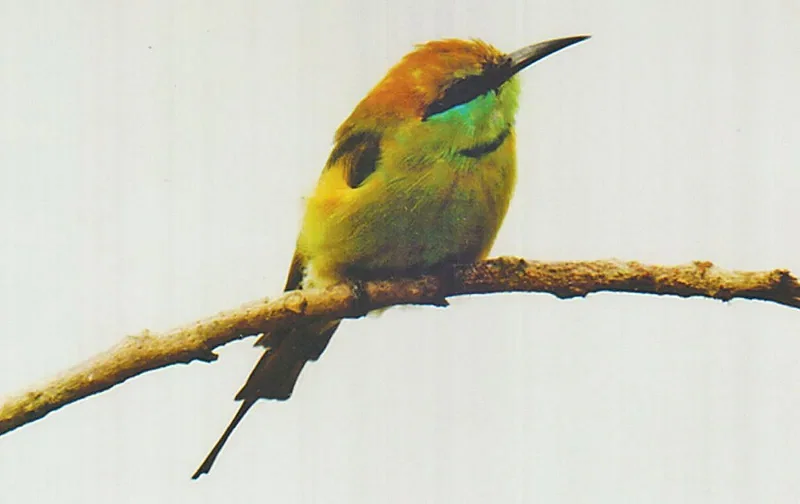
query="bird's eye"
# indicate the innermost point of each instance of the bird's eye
(465, 90)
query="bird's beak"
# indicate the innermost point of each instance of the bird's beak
(529, 55)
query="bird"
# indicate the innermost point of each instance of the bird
(420, 176)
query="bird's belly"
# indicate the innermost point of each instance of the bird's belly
(398, 227)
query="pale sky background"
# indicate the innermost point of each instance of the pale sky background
(153, 159)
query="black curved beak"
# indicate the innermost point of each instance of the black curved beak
(529, 55)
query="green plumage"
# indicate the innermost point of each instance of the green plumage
(436, 192)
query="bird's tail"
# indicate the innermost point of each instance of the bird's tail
(275, 374)
(212, 455)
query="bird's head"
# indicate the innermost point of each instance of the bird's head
(446, 97)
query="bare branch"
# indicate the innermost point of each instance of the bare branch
(143, 352)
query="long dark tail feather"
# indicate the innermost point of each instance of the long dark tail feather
(274, 375)
(212, 455)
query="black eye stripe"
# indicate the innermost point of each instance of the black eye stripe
(467, 89)
(461, 91)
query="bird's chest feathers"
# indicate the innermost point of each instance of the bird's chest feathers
(455, 176)
(438, 194)
(408, 217)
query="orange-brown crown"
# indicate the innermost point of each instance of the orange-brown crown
(419, 79)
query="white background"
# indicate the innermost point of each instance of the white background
(153, 159)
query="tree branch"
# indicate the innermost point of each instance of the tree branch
(143, 352)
